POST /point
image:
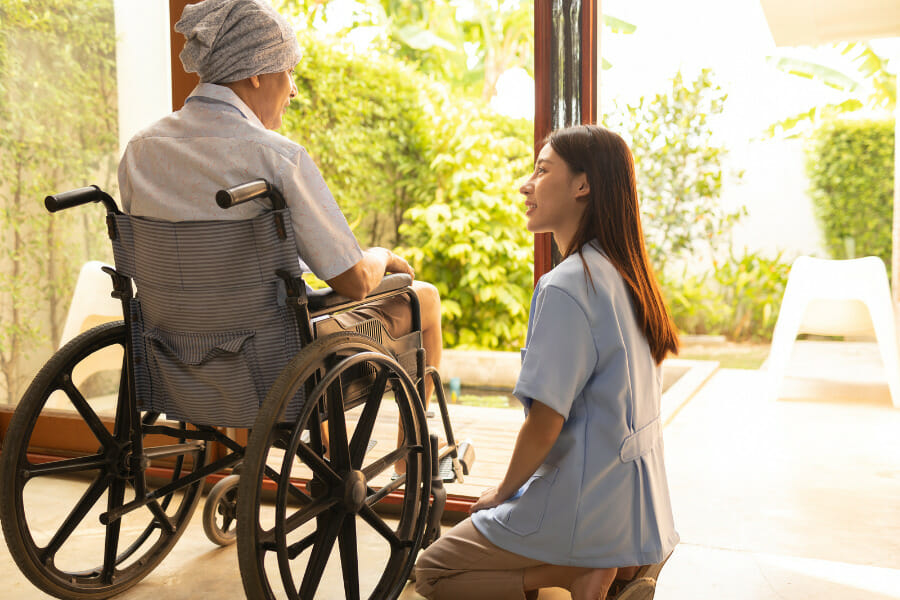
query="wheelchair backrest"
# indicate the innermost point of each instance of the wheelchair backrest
(210, 329)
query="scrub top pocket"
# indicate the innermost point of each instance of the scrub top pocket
(524, 513)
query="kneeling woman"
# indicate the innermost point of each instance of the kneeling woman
(584, 503)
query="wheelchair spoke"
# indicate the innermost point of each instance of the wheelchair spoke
(68, 465)
(87, 413)
(366, 422)
(327, 533)
(110, 551)
(294, 550)
(308, 513)
(318, 464)
(165, 523)
(226, 522)
(370, 471)
(87, 501)
(293, 490)
(296, 520)
(337, 428)
(349, 558)
(378, 524)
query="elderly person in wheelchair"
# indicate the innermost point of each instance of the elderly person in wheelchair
(223, 333)
(245, 53)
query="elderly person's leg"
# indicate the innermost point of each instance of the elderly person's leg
(462, 563)
(396, 316)
(430, 308)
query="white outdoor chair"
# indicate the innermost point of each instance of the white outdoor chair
(92, 303)
(836, 297)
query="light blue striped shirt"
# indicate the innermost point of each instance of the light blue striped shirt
(172, 170)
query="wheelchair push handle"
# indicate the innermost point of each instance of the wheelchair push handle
(64, 200)
(251, 190)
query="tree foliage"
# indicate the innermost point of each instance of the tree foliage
(416, 167)
(57, 103)
(866, 83)
(359, 120)
(470, 237)
(679, 167)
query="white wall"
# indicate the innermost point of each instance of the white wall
(143, 67)
(775, 191)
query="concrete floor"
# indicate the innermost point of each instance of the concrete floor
(797, 498)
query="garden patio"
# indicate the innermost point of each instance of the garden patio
(789, 498)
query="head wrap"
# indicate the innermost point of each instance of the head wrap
(230, 40)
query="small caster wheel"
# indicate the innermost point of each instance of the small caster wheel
(219, 511)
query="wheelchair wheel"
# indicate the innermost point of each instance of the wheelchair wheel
(219, 511)
(54, 510)
(356, 392)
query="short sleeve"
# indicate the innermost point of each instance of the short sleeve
(323, 237)
(560, 355)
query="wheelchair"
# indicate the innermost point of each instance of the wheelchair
(168, 395)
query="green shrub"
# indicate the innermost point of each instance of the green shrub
(851, 169)
(469, 239)
(739, 298)
(360, 120)
(419, 169)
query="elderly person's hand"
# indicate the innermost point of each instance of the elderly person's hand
(397, 264)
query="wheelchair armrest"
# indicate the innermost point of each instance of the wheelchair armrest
(326, 298)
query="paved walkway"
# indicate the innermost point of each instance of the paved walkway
(788, 499)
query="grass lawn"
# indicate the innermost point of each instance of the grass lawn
(730, 355)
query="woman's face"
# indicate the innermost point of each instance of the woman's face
(275, 93)
(554, 197)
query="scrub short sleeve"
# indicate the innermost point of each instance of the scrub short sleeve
(560, 355)
(324, 239)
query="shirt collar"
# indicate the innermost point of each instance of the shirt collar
(225, 94)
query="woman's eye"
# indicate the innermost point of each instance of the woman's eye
(540, 170)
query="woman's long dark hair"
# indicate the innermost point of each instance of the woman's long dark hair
(612, 218)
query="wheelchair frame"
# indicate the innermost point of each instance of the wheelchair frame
(338, 492)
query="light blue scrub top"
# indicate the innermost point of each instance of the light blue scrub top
(601, 498)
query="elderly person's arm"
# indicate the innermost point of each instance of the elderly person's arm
(360, 279)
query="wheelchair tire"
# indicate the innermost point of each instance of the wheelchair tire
(61, 546)
(288, 553)
(221, 502)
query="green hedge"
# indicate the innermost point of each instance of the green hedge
(417, 168)
(851, 168)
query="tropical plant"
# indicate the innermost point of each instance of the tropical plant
(467, 44)
(739, 298)
(865, 82)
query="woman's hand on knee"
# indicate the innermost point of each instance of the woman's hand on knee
(489, 499)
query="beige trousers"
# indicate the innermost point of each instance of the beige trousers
(463, 564)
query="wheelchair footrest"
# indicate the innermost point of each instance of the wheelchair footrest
(452, 469)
